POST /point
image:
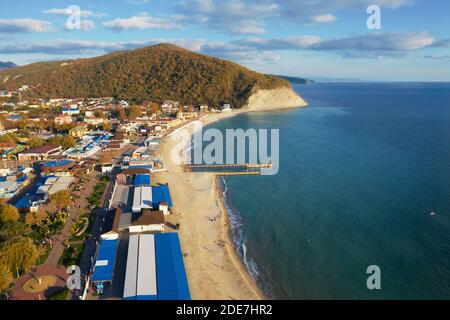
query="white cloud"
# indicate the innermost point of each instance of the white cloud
(379, 42)
(310, 11)
(68, 11)
(324, 18)
(87, 25)
(235, 16)
(24, 25)
(287, 43)
(142, 22)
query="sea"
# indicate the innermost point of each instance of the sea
(364, 180)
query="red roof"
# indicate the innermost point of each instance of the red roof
(43, 149)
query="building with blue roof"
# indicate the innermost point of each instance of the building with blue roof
(105, 261)
(170, 272)
(142, 180)
(161, 194)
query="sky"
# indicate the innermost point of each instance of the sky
(305, 38)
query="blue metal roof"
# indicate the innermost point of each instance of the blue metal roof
(170, 271)
(107, 252)
(161, 194)
(142, 180)
(148, 166)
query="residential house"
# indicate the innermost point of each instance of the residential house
(40, 153)
(149, 221)
(63, 119)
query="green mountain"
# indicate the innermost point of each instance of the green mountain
(296, 80)
(156, 73)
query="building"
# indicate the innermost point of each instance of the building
(111, 225)
(140, 276)
(155, 268)
(9, 188)
(54, 184)
(79, 131)
(142, 180)
(105, 261)
(161, 196)
(94, 121)
(170, 106)
(149, 221)
(107, 168)
(63, 119)
(40, 153)
(72, 110)
(57, 166)
(142, 199)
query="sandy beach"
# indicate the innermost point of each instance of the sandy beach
(213, 268)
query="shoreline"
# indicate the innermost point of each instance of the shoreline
(194, 211)
(240, 264)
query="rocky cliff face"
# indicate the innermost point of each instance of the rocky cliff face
(281, 98)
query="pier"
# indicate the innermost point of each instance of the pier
(247, 169)
(218, 166)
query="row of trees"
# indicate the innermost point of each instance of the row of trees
(19, 234)
(18, 253)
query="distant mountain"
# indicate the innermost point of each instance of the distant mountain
(156, 73)
(7, 65)
(323, 79)
(296, 80)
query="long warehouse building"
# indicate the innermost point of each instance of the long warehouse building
(140, 277)
(155, 268)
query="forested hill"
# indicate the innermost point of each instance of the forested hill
(154, 73)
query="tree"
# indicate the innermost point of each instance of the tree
(9, 213)
(19, 254)
(61, 200)
(153, 108)
(107, 126)
(6, 277)
(36, 218)
(121, 113)
(135, 111)
(12, 229)
(66, 142)
(35, 142)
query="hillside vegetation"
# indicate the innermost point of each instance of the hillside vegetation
(156, 73)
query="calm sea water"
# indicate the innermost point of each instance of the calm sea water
(361, 170)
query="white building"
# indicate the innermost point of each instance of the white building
(142, 199)
(149, 221)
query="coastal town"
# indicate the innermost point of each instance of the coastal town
(83, 187)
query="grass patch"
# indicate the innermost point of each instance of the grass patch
(61, 295)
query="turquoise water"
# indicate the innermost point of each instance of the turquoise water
(361, 170)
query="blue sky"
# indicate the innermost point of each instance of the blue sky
(310, 38)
